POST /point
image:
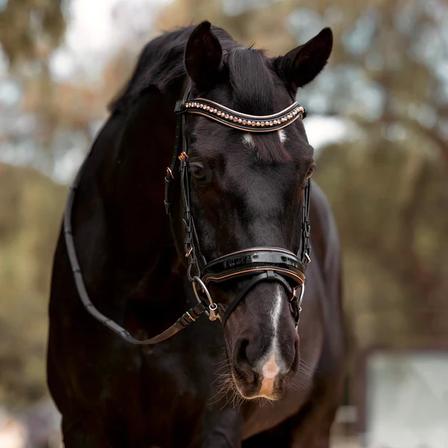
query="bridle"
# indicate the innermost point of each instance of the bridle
(254, 264)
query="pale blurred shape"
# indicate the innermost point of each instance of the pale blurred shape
(304, 23)
(67, 164)
(323, 131)
(359, 39)
(236, 7)
(10, 92)
(407, 399)
(97, 30)
(12, 432)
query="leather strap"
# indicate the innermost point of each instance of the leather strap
(244, 122)
(265, 276)
(184, 321)
(253, 260)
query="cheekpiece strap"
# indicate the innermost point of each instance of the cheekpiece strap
(244, 122)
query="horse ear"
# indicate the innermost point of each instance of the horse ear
(203, 55)
(301, 65)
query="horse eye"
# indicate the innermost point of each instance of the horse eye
(198, 172)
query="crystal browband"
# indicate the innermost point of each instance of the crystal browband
(245, 122)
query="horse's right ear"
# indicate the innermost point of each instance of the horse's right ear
(303, 64)
(203, 56)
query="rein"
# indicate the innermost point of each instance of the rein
(256, 264)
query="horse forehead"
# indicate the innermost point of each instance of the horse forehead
(260, 182)
(230, 150)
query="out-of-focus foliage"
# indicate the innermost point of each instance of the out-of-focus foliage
(49, 122)
(389, 204)
(30, 29)
(42, 119)
(30, 203)
(30, 215)
(389, 188)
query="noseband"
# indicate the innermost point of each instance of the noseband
(253, 265)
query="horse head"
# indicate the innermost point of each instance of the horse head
(246, 191)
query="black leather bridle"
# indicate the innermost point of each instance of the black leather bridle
(255, 264)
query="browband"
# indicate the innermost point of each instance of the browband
(244, 122)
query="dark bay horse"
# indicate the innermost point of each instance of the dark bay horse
(245, 379)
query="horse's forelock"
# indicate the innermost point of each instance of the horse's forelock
(251, 80)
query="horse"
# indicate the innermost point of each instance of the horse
(220, 238)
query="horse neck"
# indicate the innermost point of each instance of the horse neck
(140, 224)
(128, 248)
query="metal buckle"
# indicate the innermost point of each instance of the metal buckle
(168, 174)
(299, 301)
(183, 156)
(212, 312)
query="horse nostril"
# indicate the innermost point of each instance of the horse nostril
(242, 362)
(241, 352)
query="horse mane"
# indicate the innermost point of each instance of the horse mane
(161, 63)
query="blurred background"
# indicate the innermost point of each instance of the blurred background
(378, 118)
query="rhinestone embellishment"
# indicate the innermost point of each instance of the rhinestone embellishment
(224, 115)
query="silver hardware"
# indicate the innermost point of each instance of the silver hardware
(212, 306)
(213, 312)
(299, 301)
(302, 292)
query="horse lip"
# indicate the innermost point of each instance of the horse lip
(253, 390)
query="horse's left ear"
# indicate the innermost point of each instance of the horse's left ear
(301, 65)
(203, 55)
